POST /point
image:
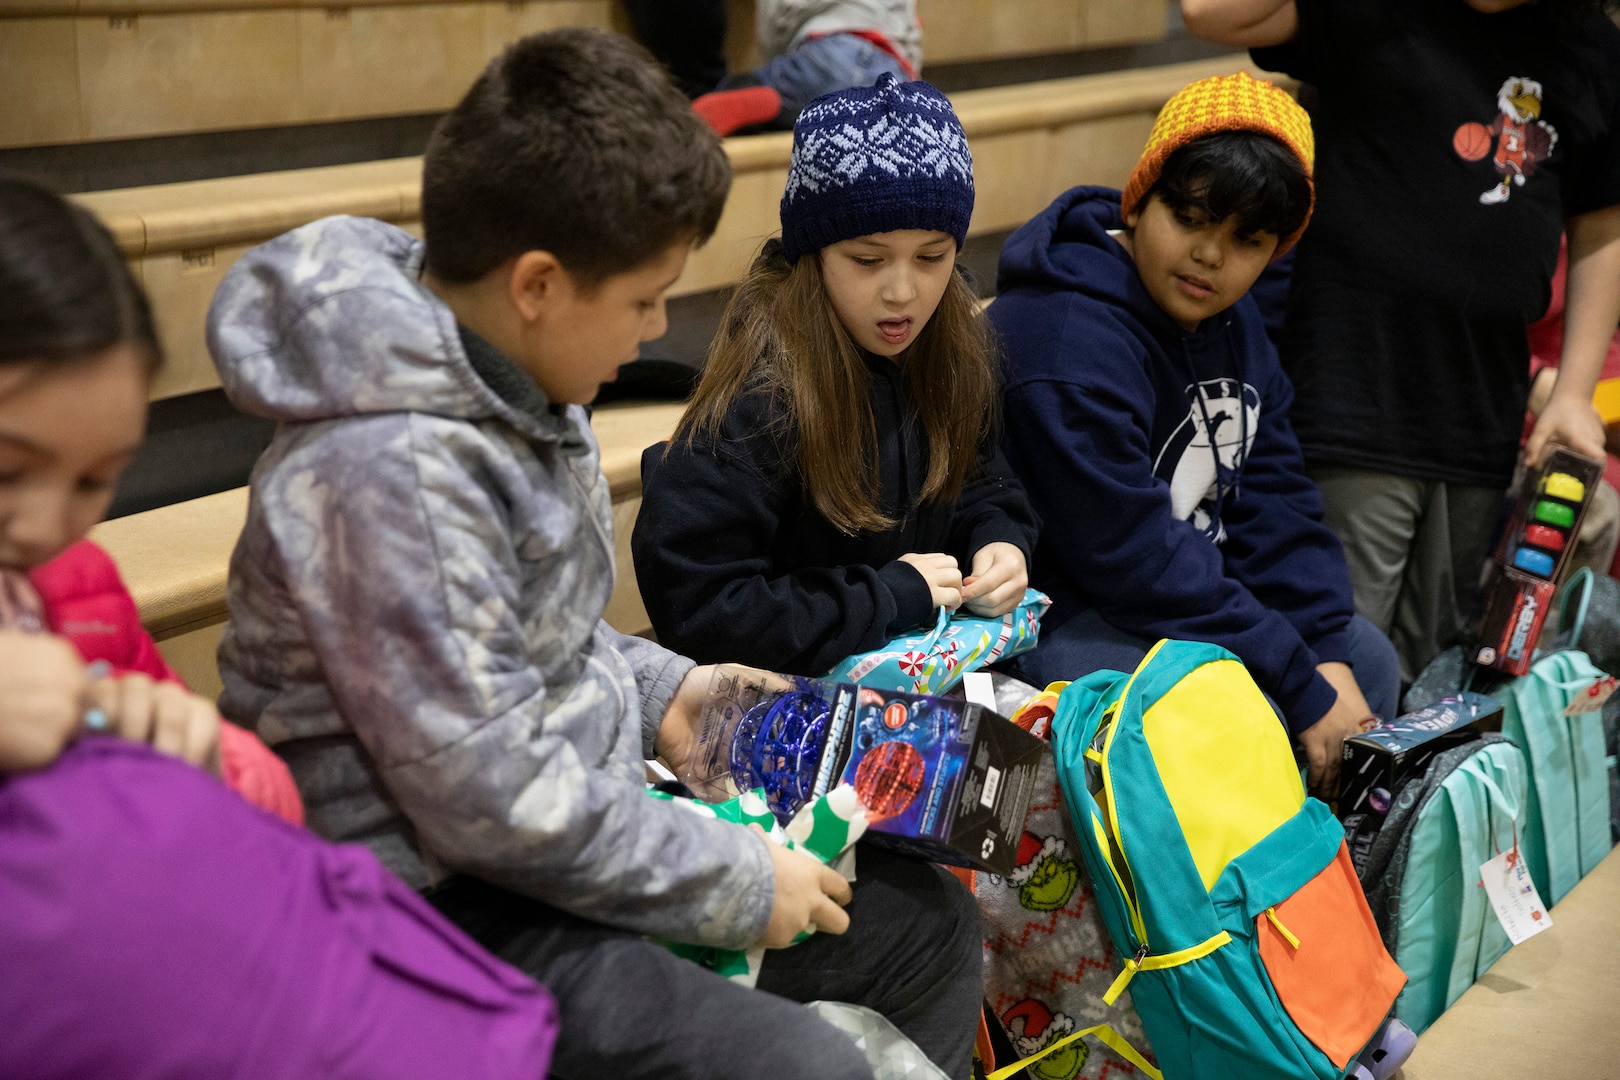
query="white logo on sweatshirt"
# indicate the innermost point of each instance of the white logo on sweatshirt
(1188, 463)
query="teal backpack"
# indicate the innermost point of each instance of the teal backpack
(1566, 821)
(1250, 951)
(1466, 809)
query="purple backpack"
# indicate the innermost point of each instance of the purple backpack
(153, 924)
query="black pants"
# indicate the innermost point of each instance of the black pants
(632, 1009)
(687, 36)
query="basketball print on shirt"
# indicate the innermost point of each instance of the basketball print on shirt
(1520, 137)
(1203, 457)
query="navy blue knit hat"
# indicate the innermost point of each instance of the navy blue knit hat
(876, 159)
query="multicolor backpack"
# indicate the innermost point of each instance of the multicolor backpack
(1251, 951)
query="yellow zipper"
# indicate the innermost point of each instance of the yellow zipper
(1288, 936)
(1113, 803)
(1141, 961)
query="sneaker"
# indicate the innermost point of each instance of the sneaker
(730, 111)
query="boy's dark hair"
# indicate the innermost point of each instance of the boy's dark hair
(1237, 173)
(573, 142)
(65, 290)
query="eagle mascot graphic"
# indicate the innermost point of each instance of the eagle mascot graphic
(1517, 140)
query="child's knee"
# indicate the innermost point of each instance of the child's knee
(828, 1053)
(964, 929)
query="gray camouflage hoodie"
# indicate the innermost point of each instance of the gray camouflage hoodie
(783, 25)
(415, 603)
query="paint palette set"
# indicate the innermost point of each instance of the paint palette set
(940, 777)
(1534, 553)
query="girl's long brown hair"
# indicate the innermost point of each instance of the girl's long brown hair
(781, 336)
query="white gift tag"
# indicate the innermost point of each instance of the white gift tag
(1513, 896)
(1592, 698)
(979, 687)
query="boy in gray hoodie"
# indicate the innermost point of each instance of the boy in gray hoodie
(416, 598)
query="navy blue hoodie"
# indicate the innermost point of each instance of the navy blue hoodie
(736, 563)
(1109, 405)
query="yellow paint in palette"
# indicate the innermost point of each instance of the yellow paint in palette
(1561, 485)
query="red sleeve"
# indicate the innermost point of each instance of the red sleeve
(253, 771)
(88, 603)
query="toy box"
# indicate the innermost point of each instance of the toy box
(1378, 763)
(940, 777)
(1535, 550)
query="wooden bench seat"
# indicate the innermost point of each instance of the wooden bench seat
(1030, 142)
(86, 70)
(174, 559)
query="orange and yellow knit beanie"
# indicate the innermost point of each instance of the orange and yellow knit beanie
(1224, 103)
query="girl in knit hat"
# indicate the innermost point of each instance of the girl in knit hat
(835, 481)
(1153, 427)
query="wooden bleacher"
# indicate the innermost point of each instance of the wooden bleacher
(209, 65)
(1030, 143)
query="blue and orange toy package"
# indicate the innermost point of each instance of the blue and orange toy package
(940, 777)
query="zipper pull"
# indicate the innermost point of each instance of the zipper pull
(1271, 913)
(1132, 966)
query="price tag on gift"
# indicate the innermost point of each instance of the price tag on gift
(1513, 896)
(1593, 697)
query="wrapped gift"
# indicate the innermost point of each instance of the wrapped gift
(960, 642)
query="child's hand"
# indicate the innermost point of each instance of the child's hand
(1573, 422)
(808, 896)
(1324, 740)
(678, 730)
(173, 719)
(943, 577)
(998, 580)
(42, 691)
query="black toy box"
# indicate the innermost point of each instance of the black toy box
(1378, 763)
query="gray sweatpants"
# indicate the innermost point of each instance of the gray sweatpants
(632, 1010)
(1415, 550)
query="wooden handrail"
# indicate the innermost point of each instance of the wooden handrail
(208, 213)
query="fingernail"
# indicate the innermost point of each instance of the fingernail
(95, 720)
(100, 669)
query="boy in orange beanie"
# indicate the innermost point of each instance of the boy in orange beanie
(1148, 418)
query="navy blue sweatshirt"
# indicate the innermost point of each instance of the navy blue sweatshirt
(735, 563)
(1109, 407)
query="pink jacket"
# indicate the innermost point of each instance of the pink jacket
(87, 602)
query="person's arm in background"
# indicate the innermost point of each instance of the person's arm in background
(1244, 24)
(1591, 313)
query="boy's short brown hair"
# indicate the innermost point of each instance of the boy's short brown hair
(573, 142)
